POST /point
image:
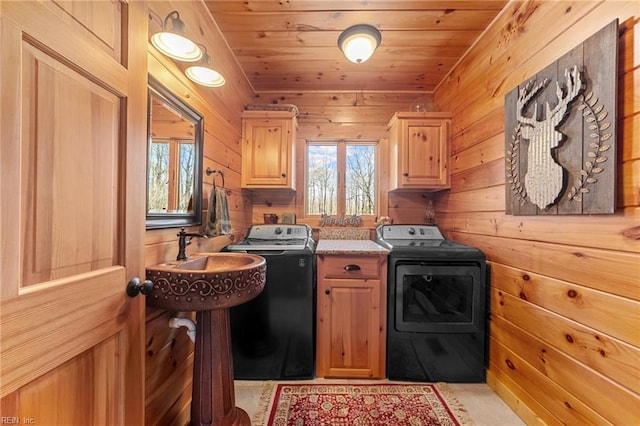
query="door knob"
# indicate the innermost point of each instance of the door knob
(136, 285)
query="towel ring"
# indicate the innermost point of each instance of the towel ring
(210, 171)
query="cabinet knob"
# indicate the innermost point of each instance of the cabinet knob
(327, 291)
(405, 174)
(352, 267)
(284, 175)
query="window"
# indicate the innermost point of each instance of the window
(341, 178)
(171, 170)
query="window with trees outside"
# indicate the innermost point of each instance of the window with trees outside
(171, 171)
(341, 178)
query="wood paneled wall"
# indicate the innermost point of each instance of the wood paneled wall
(343, 115)
(565, 291)
(169, 352)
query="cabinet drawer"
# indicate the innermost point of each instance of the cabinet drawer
(350, 267)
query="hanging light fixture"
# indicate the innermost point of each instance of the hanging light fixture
(172, 41)
(359, 42)
(203, 74)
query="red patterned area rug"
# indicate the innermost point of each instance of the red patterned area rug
(319, 404)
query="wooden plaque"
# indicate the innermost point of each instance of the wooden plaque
(560, 133)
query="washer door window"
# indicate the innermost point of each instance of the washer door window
(437, 298)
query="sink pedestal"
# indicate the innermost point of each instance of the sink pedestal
(209, 284)
(213, 397)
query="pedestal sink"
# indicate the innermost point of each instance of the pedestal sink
(210, 283)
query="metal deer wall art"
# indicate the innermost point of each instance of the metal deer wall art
(560, 133)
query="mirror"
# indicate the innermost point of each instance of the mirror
(174, 160)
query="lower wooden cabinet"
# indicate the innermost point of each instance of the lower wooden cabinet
(351, 338)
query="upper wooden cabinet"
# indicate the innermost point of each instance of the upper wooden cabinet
(268, 149)
(419, 150)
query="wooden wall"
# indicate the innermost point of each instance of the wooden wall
(342, 115)
(169, 352)
(565, 290)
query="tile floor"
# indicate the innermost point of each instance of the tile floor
(484, 407)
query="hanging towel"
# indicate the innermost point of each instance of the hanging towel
(218, 222)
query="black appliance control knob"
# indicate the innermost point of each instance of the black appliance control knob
(411, 231)
(278, 230)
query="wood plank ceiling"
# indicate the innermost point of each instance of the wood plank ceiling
(292, 45)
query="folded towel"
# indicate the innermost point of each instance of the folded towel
(218, 222)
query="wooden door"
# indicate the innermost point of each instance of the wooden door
(73, 126)
(425, 153)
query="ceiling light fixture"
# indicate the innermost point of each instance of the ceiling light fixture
(173, 43)
(359, 42)
(203, 74)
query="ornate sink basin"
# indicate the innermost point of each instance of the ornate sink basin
(206, 281)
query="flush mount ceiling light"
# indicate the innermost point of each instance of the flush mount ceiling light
(359, 42)
(203, 74)
(172, 41)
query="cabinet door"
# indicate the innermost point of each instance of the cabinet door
(349, 329)
(424, 154)
(267, 153)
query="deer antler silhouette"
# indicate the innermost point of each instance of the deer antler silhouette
(544, 176)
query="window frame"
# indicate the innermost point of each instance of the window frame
(174, 173)
(341, 165)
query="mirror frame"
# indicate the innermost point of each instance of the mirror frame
(176, 220)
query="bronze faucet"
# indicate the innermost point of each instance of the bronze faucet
(184, 239)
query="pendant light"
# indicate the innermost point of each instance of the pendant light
(172, 41)
(203, 74)
(359, 42)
